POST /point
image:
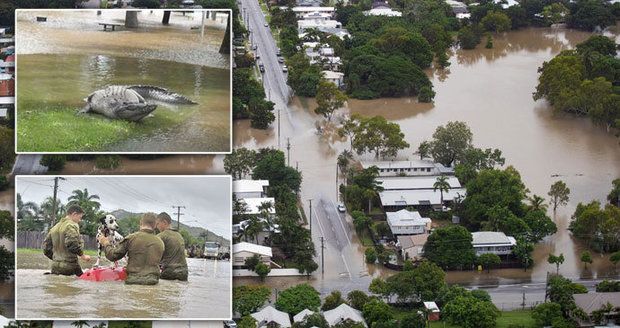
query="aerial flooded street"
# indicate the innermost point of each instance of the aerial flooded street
(491, 90)
(69, 297)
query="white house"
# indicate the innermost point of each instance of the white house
(493, 242)
(271, 315)
(414, 167)
(342, 313)
(405, 222)
(316, 15)
(301, 316)
(253, 204)
(417, 191)
(412, 246)
(305, 24)
(300, 11)
(336, 78)
(250, 188)
(243, 251)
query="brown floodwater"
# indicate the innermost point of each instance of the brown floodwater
(489, 89)
(205, 295)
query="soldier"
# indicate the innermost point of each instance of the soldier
(63, 244)
(143, 249)
(173, 263)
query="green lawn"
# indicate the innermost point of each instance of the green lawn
(517, 317)
(60, 129)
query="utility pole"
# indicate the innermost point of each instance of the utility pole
(278, 125)
(337, 187)
(310, 217)
(322, 256)
(179, 216)
(56, 179)
(288, 151)
(297, 165)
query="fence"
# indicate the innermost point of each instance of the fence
(34, 239)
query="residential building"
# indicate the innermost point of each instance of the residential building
(412, 246)
(242, 251)
(336, 78)
(414, 167)
(492, 242)
(269, 315)
(305, 24)
(317, 15)
(593, 301)
(382, 8)
(417, 192)
(406, 222)
(301, 316)
(342, 313)
(253, 205)
(250, 188)
(300, 11)
(457, 7)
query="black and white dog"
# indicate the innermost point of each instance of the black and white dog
(108, 228)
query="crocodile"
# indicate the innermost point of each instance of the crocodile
(130, 102)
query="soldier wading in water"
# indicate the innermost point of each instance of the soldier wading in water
(63, 244)
(173, 263)
(143, 249)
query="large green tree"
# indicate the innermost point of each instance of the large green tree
(470, 312)
(328, 98)
(450, 142)
(376, 134)
(297, 298)
(249, 299)
(450, 248)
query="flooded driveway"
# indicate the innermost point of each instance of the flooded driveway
(66, 58)
(205, 295)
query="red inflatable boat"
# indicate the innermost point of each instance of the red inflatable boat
(104, 274)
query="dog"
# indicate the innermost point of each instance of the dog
(109, 229)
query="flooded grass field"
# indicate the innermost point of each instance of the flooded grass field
(205, 295)
(63, 60)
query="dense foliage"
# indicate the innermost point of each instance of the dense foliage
(295, 299)
(249, 299)
(249, 100)
(598, 226)
(584, 81)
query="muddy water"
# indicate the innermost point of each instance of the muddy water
(491, 90)
(79, 58)
(205, 295)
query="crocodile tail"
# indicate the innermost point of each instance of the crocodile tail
(161, 94)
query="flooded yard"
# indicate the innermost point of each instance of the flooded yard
(63, 60)
(205, 295)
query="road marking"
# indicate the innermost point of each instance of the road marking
(346, 266)
(340, 220)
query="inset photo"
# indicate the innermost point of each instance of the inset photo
(123, 81)
(123, 247)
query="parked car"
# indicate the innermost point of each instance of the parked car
(230, 324)
(278, 53)
(262, 68)
(341, 208)
(284, 69)
(254, 47)
(266, 25)
(280, 60)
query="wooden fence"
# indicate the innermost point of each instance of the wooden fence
(34, 239)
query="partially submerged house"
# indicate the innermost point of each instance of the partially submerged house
(492, 242)
(418, 192)
(412, 246)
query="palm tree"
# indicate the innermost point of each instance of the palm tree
(84, 199)
(443, 185)
(47, 208)
(537, 203)
(253, 228)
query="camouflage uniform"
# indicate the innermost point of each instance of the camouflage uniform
(63, 244)
(173, 263)
(144, 251)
